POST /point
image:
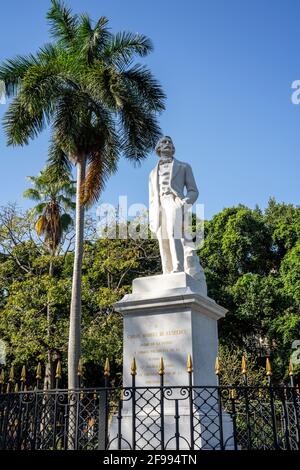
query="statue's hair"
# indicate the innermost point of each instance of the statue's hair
(158, 145)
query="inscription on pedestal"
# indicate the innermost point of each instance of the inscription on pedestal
(148, 339)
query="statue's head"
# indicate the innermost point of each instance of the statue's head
(165, 147)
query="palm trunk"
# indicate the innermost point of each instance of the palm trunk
(75, 311)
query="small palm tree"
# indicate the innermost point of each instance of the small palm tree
(100, 105)
(54, 199)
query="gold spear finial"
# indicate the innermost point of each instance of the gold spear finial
(161, 369)
(11, 374)
(133, 367)
(80, 368)
(39, 371)
(23, 374)
(58, 370)
(268, 367)
(107, 368)
(244, 365)
(291, 368)
(189, 364)
(217, 366)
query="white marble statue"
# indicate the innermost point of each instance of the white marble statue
(171, 187)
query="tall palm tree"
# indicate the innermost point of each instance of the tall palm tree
(54, 199)
(100, 105)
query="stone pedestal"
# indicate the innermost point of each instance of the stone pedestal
(167, 316)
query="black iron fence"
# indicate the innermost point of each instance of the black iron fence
(221, 417)
(156, 418)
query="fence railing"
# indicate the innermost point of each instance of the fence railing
(156, 418)
(241, 417)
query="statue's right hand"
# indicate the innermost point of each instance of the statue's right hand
(179, 202)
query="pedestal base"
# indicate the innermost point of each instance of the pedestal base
(167, 317)
(206, 434)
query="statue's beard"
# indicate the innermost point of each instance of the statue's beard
(164, 157)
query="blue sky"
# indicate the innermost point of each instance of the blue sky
(226, 67)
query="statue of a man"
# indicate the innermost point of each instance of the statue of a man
(172, 186)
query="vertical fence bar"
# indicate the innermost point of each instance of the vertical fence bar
(161, 372)
(20, 411)
(191, 401)
(177, 417)
(272, 405)
(119, 418)
(219, 391)
(133, 402)
(35, 420)
(286, 420)
(54, 421)
(294, 399)
(246, 397)
(57, 379)
(232, 396)
(106, 401)
(77, 418)
(66, 425)
(26, 419)
(5, 421)
(35, 409)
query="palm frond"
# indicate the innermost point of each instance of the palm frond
(66, 202)
(92, 41)
(140, 130)
(66, 222)
(58, 163)
(63, 24)
(40, 225)
(94, 181)
(32, 193)
(141, 80)
(12, 72)
(48, 53)
(124, 46)
(20, 124)
(39, 208)
(72, 122)
(99, 81)
(99, 170)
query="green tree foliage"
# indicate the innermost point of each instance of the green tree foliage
(252, 264)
